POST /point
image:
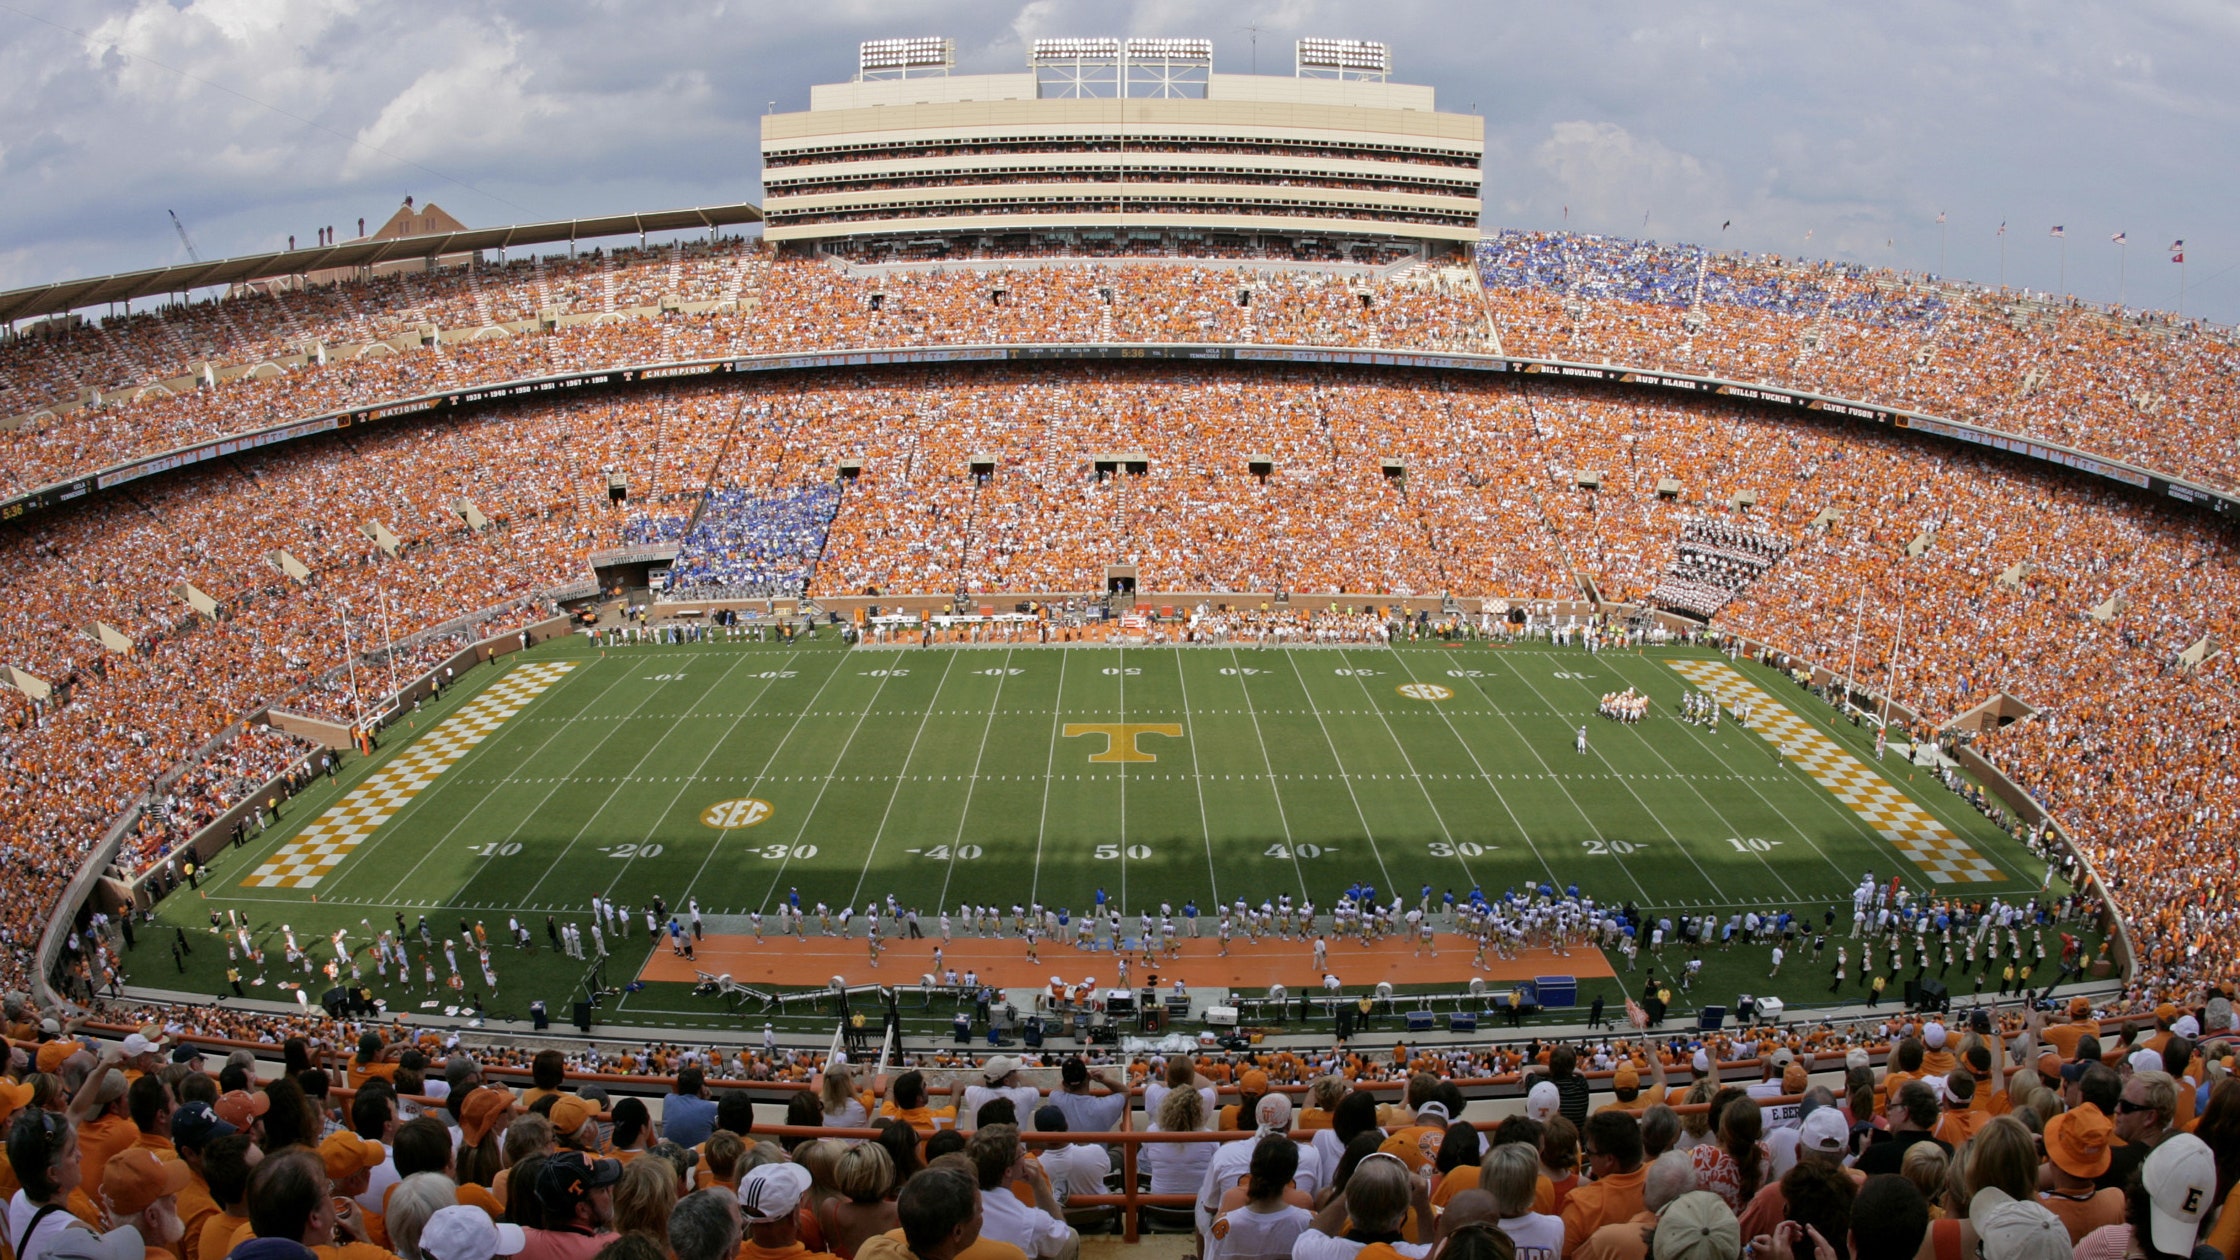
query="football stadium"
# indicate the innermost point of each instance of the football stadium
(1112, 572)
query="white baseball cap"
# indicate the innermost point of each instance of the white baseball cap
(1824, 1132)
(771, 1192)
(2146, 1060)
(1933, 1036)
(468, 1233)
(1544, 1101)
(2012, 1229)
(2181, 1180)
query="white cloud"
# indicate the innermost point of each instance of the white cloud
(1610, 177)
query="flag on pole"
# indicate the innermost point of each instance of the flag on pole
(2057, 231)
(1728, 224)
(2002, 227)
(1940, 216)
(2178, 257)
(2120, 239)
(2175, 246)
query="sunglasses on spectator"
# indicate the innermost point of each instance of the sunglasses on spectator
(2125, 1106)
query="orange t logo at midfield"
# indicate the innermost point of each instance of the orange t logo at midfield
(1120, 737)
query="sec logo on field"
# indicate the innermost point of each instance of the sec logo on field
(746, 811)
(1425, 691)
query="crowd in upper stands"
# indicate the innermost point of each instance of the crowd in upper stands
(2140, 386)
(1373, 484)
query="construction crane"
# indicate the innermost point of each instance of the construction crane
(184, 239)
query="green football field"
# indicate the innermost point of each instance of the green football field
(734, 772)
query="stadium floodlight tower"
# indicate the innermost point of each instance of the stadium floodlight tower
(1103, 67)
(1075, 68)
(913, 58)
(1169, 68)
(1358, 60)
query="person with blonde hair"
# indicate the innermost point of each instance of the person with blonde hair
(845, 1107)
(864, 1177)
(644, 1198)
(1178, 1167)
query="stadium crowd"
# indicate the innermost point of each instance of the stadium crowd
(1375, 484)
(2035, 1137)
(2132, 385)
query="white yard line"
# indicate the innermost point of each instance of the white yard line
(1197, 779)
(558, 730)
(560, 859)
(1049, 771)
(1384, 875)
(972, 785)
(800, 829)
(1385, 720)
(1268, 765)
(1623, 780)
(902, 777)
(686, 783)
(1696, 733)
(1688, 781)
(1480, 766)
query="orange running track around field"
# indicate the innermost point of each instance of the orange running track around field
(783, 960)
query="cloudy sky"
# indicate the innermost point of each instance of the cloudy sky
(1834, 130)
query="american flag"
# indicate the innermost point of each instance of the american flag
(1940, 216)
(2120, 239)
(2057, 230)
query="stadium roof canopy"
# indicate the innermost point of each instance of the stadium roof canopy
(70, 295)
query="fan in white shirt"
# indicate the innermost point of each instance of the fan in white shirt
(1231, 1160)
(1264, 1226)
(1377, 1200)
(1041, 1230)
(1076, 1168)
(1511, 1173)
(1002, 1074)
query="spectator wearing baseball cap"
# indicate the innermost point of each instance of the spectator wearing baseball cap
(350, 1161)
(98, 1111)
(1697, 1226)
(575, 1125)
(2077, 1150)
(1625, 1083)
(484, 1116)
(142, 1191)
(1251, 1087)
(142, 1052)
(770, 1204)
(2007, 1228)
(468, 1233)
(1000, 1079)
(2063, 1037)
(1079, 1167)
(1823, 1139)
(192, 1128)
(577, 1195)
(244, 1110)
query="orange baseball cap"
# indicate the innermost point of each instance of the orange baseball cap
(1625, 1078)
(482, 1109)
(2077, 1142)
(1794, 1079)
(240, 1108)
(134, 1178)
(2079, 1007)
(2049, 1066)
(346, 1155)
(53, 1053)
(1254, 1082)
(570, 1114)
(2165, 1013)
(14, 1096)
